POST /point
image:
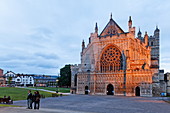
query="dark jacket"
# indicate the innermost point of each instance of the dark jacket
(33, 98)
(29, 96)
(37, 97)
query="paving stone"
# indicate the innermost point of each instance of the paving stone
(95, 104)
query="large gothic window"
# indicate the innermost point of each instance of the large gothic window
(111, 60)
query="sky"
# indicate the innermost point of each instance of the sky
(41, 36)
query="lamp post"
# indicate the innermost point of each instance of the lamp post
(57, 85)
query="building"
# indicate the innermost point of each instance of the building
(74, 70)
(2, 79)
(10, 78)
(45, 80)
(30, 79)
(1, 72)
(162, 82)
(116, 62)
(24, 80)
(167, 80)
(13, 79)
(36, 80)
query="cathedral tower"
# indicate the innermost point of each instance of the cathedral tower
(154, 44)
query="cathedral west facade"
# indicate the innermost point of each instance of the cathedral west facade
(116, 62)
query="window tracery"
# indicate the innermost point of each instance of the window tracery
(111, 60)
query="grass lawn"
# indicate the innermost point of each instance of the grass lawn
(7, 105)
(63, 90)
(18, 93)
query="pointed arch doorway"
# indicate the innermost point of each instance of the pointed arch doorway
(110, 89)
(86, 90)
(137, 91)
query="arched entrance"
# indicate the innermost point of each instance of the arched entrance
(137, 91)
(110, 89)
(86, 90)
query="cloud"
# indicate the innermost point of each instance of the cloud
(42, 36)
(47, 56)
(165, 59)
(31, 64)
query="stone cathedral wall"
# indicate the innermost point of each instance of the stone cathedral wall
(130, 72)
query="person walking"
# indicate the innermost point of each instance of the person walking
(37, 100)
(29, 100)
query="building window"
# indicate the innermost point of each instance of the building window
(111, 59)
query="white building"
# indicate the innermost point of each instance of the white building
(8, 75)
(19, 79)
(24, 80)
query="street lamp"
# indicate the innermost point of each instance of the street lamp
(57, 85)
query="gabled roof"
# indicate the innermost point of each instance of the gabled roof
(111, 28)
(9, 72)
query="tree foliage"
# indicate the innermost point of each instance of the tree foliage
(65, 76)
(9, 80)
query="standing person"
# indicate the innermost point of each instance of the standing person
(34, 98)
(29, 100)
(37, 100)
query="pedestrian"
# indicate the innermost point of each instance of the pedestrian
(29, 100)
(33, 98)
(37, 100)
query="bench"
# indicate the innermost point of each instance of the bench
(6, 101)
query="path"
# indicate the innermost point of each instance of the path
(95, 104)
(43, 90)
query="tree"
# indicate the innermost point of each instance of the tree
(36, 83)
(9, 80)
(65, 76)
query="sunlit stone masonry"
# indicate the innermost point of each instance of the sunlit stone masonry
(115, 62)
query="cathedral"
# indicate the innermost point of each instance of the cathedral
(115, 62)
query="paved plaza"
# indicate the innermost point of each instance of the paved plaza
(94, 104)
